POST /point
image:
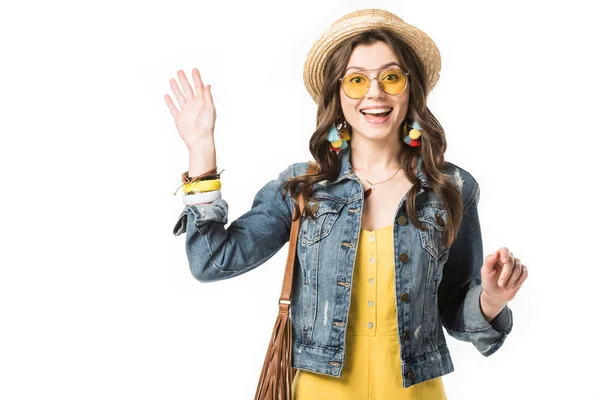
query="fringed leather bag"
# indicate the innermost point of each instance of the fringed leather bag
(275, 382)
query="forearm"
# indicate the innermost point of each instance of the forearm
(203, 158)
(217, 253)
(489, 308)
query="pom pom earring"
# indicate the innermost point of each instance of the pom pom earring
(338, 138)
(412, 138)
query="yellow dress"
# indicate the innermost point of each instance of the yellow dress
(372, 367)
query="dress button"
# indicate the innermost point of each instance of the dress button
(402, 220)
(406, 336)
(372, 259)
(404, 257)
(315, 207)
(404, 297)
(411, 375)
(371, 303)
(372, 238)
(371, 280)
(370, 325)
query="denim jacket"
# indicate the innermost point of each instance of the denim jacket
(435, 286)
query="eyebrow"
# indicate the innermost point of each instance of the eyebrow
(383, 66)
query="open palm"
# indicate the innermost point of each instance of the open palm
(195, 119)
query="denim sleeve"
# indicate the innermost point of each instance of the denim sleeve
(460, 288)
(215, 253)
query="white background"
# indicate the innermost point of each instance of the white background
(96, 297)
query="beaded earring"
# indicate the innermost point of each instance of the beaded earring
(412, 138)
(338, 137)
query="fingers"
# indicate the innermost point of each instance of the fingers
(524, 275)
(171, 106)
(208, 96)
(187, 89)
(489, 262)
(178, 95)
(507, 260)
(185, 84)
(513, 272)
(516, 273)
(198, 84)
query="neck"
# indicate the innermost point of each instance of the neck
(375, 158)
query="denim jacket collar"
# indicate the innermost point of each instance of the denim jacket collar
(347, 172)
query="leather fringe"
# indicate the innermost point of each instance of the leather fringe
(277, 374)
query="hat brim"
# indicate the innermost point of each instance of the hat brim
(361, 21)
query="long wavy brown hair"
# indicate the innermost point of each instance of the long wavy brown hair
(433, 139)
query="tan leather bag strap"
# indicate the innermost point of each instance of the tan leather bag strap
(277, 375)
(286, 291)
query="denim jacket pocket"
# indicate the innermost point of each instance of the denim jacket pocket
(326, 212)
(432, 237)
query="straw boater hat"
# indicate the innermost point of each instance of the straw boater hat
(364, 20)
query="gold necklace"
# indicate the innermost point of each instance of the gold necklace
(372, 188)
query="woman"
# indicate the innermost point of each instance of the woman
(390, 247)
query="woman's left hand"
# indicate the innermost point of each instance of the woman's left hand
(502, 275)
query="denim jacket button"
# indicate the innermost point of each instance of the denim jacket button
(404, 257)
(440, 220)
(404, 297)
(411, 375)
(402, 220)
(406, 336)
(315, 207)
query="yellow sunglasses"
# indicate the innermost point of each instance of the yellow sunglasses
(391, 81)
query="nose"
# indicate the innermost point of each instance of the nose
(374, 93)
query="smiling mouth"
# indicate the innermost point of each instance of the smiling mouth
(377, 119)
(385, 114)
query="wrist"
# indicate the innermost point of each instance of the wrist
(203, 158)
(201, 145)
(491, 301)
(490, 307)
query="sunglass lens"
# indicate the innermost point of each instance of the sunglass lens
(393, 81)
(355, 85)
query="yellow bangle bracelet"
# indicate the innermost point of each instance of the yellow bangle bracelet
(202, 186)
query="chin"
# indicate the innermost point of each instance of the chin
(377, 134)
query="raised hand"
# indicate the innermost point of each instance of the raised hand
(196, 116)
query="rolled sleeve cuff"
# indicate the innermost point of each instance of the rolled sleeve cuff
(486, 336)
(216, 211)
(503, 321)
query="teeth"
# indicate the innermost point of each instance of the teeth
(376, 110)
